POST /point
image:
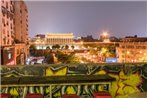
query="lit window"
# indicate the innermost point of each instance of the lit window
(9, 55)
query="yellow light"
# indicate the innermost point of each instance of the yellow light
(128, 52)
(105, 34)
(81, 42)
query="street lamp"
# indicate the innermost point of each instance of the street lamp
(104, 36)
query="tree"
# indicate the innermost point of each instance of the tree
(93, 51)
(104, 53)
(47, 47)
(107, 52)
(66, 46)
(49, 58)
(53, 47)
(72, 46)
(66, 58)
(57, 46)
(32, 49)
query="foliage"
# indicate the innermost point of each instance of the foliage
(49, 59)
(107, 52)
(57, 46)
(47, 47)
(32, 47)
(72, 46)
(93, 51)
(86, 60)
(66, 58)
(66, 47)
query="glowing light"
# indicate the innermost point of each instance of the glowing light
(128, 52)
(104, 33)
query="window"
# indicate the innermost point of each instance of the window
(3, 11)
(7, 23)
(11, 2)
(8, 41)
(8, 15)
(6, 4)
(11, 26)
(8, 33)
(3, 31)
(17, 51)
(4, 39)
(26, 10)
(3, 21)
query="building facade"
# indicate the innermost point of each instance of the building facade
(53, 39)
(7, 32)
(7, 22)
(21, 28)
(20, 54)
(132, 50)
(21, 22)
(13, 32)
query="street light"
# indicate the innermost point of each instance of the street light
(105, 34)
(105, 37)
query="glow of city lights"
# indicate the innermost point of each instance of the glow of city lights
(128, 52)
(132, 60)
(81, 42)
(105, 33)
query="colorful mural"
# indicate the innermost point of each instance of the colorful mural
(130, 78)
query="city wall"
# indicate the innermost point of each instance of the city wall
(129, 77)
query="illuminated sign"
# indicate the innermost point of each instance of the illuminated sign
(111, 60)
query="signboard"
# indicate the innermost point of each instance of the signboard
(111, 60)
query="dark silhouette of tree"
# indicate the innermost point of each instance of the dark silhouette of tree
(57, 46)
(72, 46)
(49, 59)
(47, 47)
(66, 47)
(66, 58)
(32, 50)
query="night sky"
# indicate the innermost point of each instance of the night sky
(123, 18)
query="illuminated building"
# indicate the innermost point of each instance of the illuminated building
(60, 39)
(132, 50)
(53, 39)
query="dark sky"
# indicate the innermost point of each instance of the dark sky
(121, 18)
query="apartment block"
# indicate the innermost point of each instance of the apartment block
(132, 50)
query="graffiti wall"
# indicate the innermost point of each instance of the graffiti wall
(130, 78)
